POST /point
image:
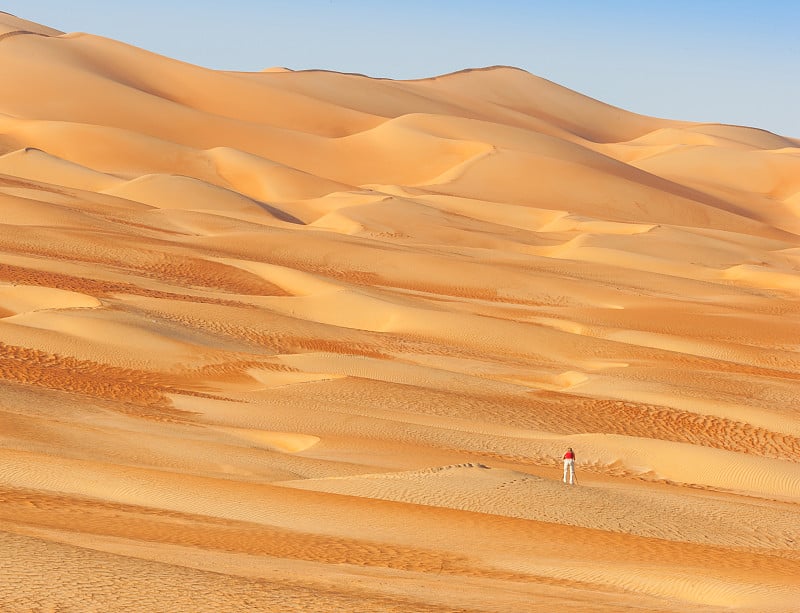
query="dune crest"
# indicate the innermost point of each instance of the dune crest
(297, 340)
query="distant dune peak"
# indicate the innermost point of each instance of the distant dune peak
(11, 23)
(500, 68)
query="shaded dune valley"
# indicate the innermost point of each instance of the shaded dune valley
(303, 341)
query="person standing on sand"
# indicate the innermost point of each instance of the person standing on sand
(569, 466)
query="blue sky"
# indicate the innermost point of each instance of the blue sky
(708, 60)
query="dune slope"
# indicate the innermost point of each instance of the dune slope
(309, 341)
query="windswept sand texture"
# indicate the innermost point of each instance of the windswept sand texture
(305, 341)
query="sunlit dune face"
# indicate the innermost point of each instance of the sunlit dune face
(302, 340)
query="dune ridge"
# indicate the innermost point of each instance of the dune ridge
(296, 340)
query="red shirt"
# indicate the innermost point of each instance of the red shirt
(569, 455)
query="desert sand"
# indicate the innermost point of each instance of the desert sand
(309, 341)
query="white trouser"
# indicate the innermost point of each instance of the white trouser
(569, 467)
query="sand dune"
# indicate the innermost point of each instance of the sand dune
(311, 341)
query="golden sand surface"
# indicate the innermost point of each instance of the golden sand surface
(309, 341)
